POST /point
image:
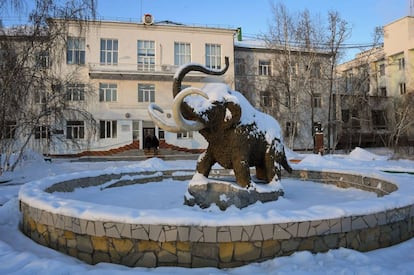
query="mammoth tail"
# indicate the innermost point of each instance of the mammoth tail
(282, 160)
(178, 77)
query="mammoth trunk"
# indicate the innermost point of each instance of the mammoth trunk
(178, 78)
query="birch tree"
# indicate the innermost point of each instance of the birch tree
(33, 101)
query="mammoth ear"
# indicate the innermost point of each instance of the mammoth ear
(232, 114)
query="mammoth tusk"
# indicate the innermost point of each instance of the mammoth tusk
(183, 123)
(162, 121)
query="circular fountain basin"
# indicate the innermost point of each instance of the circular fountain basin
(95, 230)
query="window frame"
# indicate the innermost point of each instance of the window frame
(146, 93)
(291, 128)
(239, 66)
(317, 100)
(75, 129)
(42, 60)
(402, 88)
(265, 67)
(213, 56)
(108, 129)
(75, 51)
(42, 132)
(379, 119)
(182, 53)
(75, 92)
(108, 92)
(266, 99)
(401, 63)
(146, 55)
(108, 56)
(9, 130)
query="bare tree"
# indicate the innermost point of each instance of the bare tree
(402, 132)
(33, 94)
(300, 60)
(363, 107)
(337, 32)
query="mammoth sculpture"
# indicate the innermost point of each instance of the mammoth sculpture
(238, 135)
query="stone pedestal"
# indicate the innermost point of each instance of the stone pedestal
(225, 194)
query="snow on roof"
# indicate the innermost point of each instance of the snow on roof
(251, 43)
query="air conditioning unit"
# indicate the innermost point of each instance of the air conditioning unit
(148, 19)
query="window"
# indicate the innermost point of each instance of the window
(75, 92)
(264, 67)
(291, 100)
(183, 135)
(161, 134)
(182, 53)
(317, 100)
(135, 130)
(213, 56)
(39, 97)
(402, 88)
(378, 119)
(107, 128)
(383, 91)
(290, 129)
(382, 69)
(107, 92)
(239, 66)
(75, 51)
(265, 99)
(109, 51)
(401, 63)
(355, 121)
(75, 129)
(9, 130)
(42, 59)
(345, 115)
(42, 132)
(146, 93)
(146, 55)
(316, 70)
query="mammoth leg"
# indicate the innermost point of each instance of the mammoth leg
(242, 172)
(270, 169)
(204, 164)
(261, 172)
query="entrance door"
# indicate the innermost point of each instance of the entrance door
(147, 132)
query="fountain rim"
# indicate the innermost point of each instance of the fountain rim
(33, 194)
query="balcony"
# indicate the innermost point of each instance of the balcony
(163, 72)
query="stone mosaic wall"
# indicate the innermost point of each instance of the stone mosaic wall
(222, 246)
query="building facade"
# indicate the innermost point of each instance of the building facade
(374, 88)
(289, 84)
(116, 69)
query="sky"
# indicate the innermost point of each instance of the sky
(252, 16)
(20, 255)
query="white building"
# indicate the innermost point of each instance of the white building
(129, 65)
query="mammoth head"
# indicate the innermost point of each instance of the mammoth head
(213, 108)
(194, 109)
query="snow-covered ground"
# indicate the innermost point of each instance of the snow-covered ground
(20, 255)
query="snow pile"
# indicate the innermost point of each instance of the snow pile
(361, 154)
